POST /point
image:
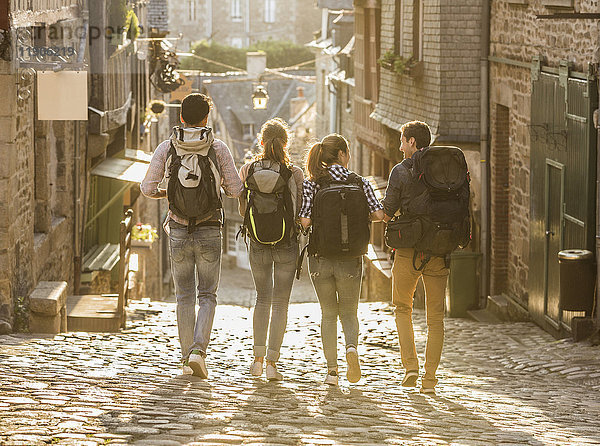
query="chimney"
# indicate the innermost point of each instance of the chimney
(256, 62)
(298, 103)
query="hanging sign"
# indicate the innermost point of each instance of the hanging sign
(62, 95)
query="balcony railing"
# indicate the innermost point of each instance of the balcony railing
(32, 12)
(118, 79)
(40, 5)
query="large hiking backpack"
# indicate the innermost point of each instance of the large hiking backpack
(340, 219)
(270, 212)
(436, 221)
(192, 190)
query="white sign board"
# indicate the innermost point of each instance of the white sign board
(62, 95)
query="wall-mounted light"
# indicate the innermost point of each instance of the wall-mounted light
(260, 98)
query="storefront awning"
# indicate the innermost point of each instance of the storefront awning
(121, 169)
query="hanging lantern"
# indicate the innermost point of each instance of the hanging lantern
(260, 97)
(157, 107)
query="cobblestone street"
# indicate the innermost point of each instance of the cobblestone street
(499, 384)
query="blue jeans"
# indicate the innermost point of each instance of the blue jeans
(337, 284)
(196, 267)
(273, 269)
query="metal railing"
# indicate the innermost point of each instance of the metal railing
(40, 5)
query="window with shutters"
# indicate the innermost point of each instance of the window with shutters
(417, 50)
(398, 28)
(269, 11)
(192, 10)
(236, 10)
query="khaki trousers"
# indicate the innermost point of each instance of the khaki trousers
(404, 283)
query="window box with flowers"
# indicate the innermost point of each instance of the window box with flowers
(143, 235)
(401, 65)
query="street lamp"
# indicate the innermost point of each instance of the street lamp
(260, 97)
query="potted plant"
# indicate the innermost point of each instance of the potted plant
(401, 65)
(143, 235)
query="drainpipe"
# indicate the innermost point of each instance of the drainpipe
(484, 148)
(333, 93)
(77, 211)
(596, 311)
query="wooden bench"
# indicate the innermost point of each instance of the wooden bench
(105, 312)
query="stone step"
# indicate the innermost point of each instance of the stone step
(506, 308)
(94, 313)
(484, 315)
(47, 307)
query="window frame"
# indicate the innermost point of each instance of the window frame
(417, 44)
(398, 27)
(245, 134)
(236, 11)
(270, 9)
(192, 11)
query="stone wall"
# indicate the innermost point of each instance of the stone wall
(8, 191)
(295, 20)
(516, 34)
(36, 195)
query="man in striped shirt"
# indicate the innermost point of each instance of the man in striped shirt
(195, 246)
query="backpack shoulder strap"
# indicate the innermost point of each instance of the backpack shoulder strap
(212, 154)
(285, 172)
(409, 165)
(323, 182)
(354, 178)
(175, 159)
(251, 169)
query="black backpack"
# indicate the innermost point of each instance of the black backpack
(437, 220)
(340, 219)
(192, 189)
(269, 217)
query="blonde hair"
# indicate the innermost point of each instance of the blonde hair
(274, 135)
(325, 153)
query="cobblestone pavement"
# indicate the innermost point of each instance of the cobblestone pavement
(504, 384)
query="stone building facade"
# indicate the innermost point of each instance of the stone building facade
(56, 186)
(38, 172)
(440, 84)
(241, 23)
(531, 40)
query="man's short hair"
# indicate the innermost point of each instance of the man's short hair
(418, 130)
(194, 108)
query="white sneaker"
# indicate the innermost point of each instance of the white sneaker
(197, 364)
(187, 370)
(273, 374)
(332, 378)
(256, 368)
(353, 373)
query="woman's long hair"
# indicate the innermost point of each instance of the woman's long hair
(274, 135)
(325, 153)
